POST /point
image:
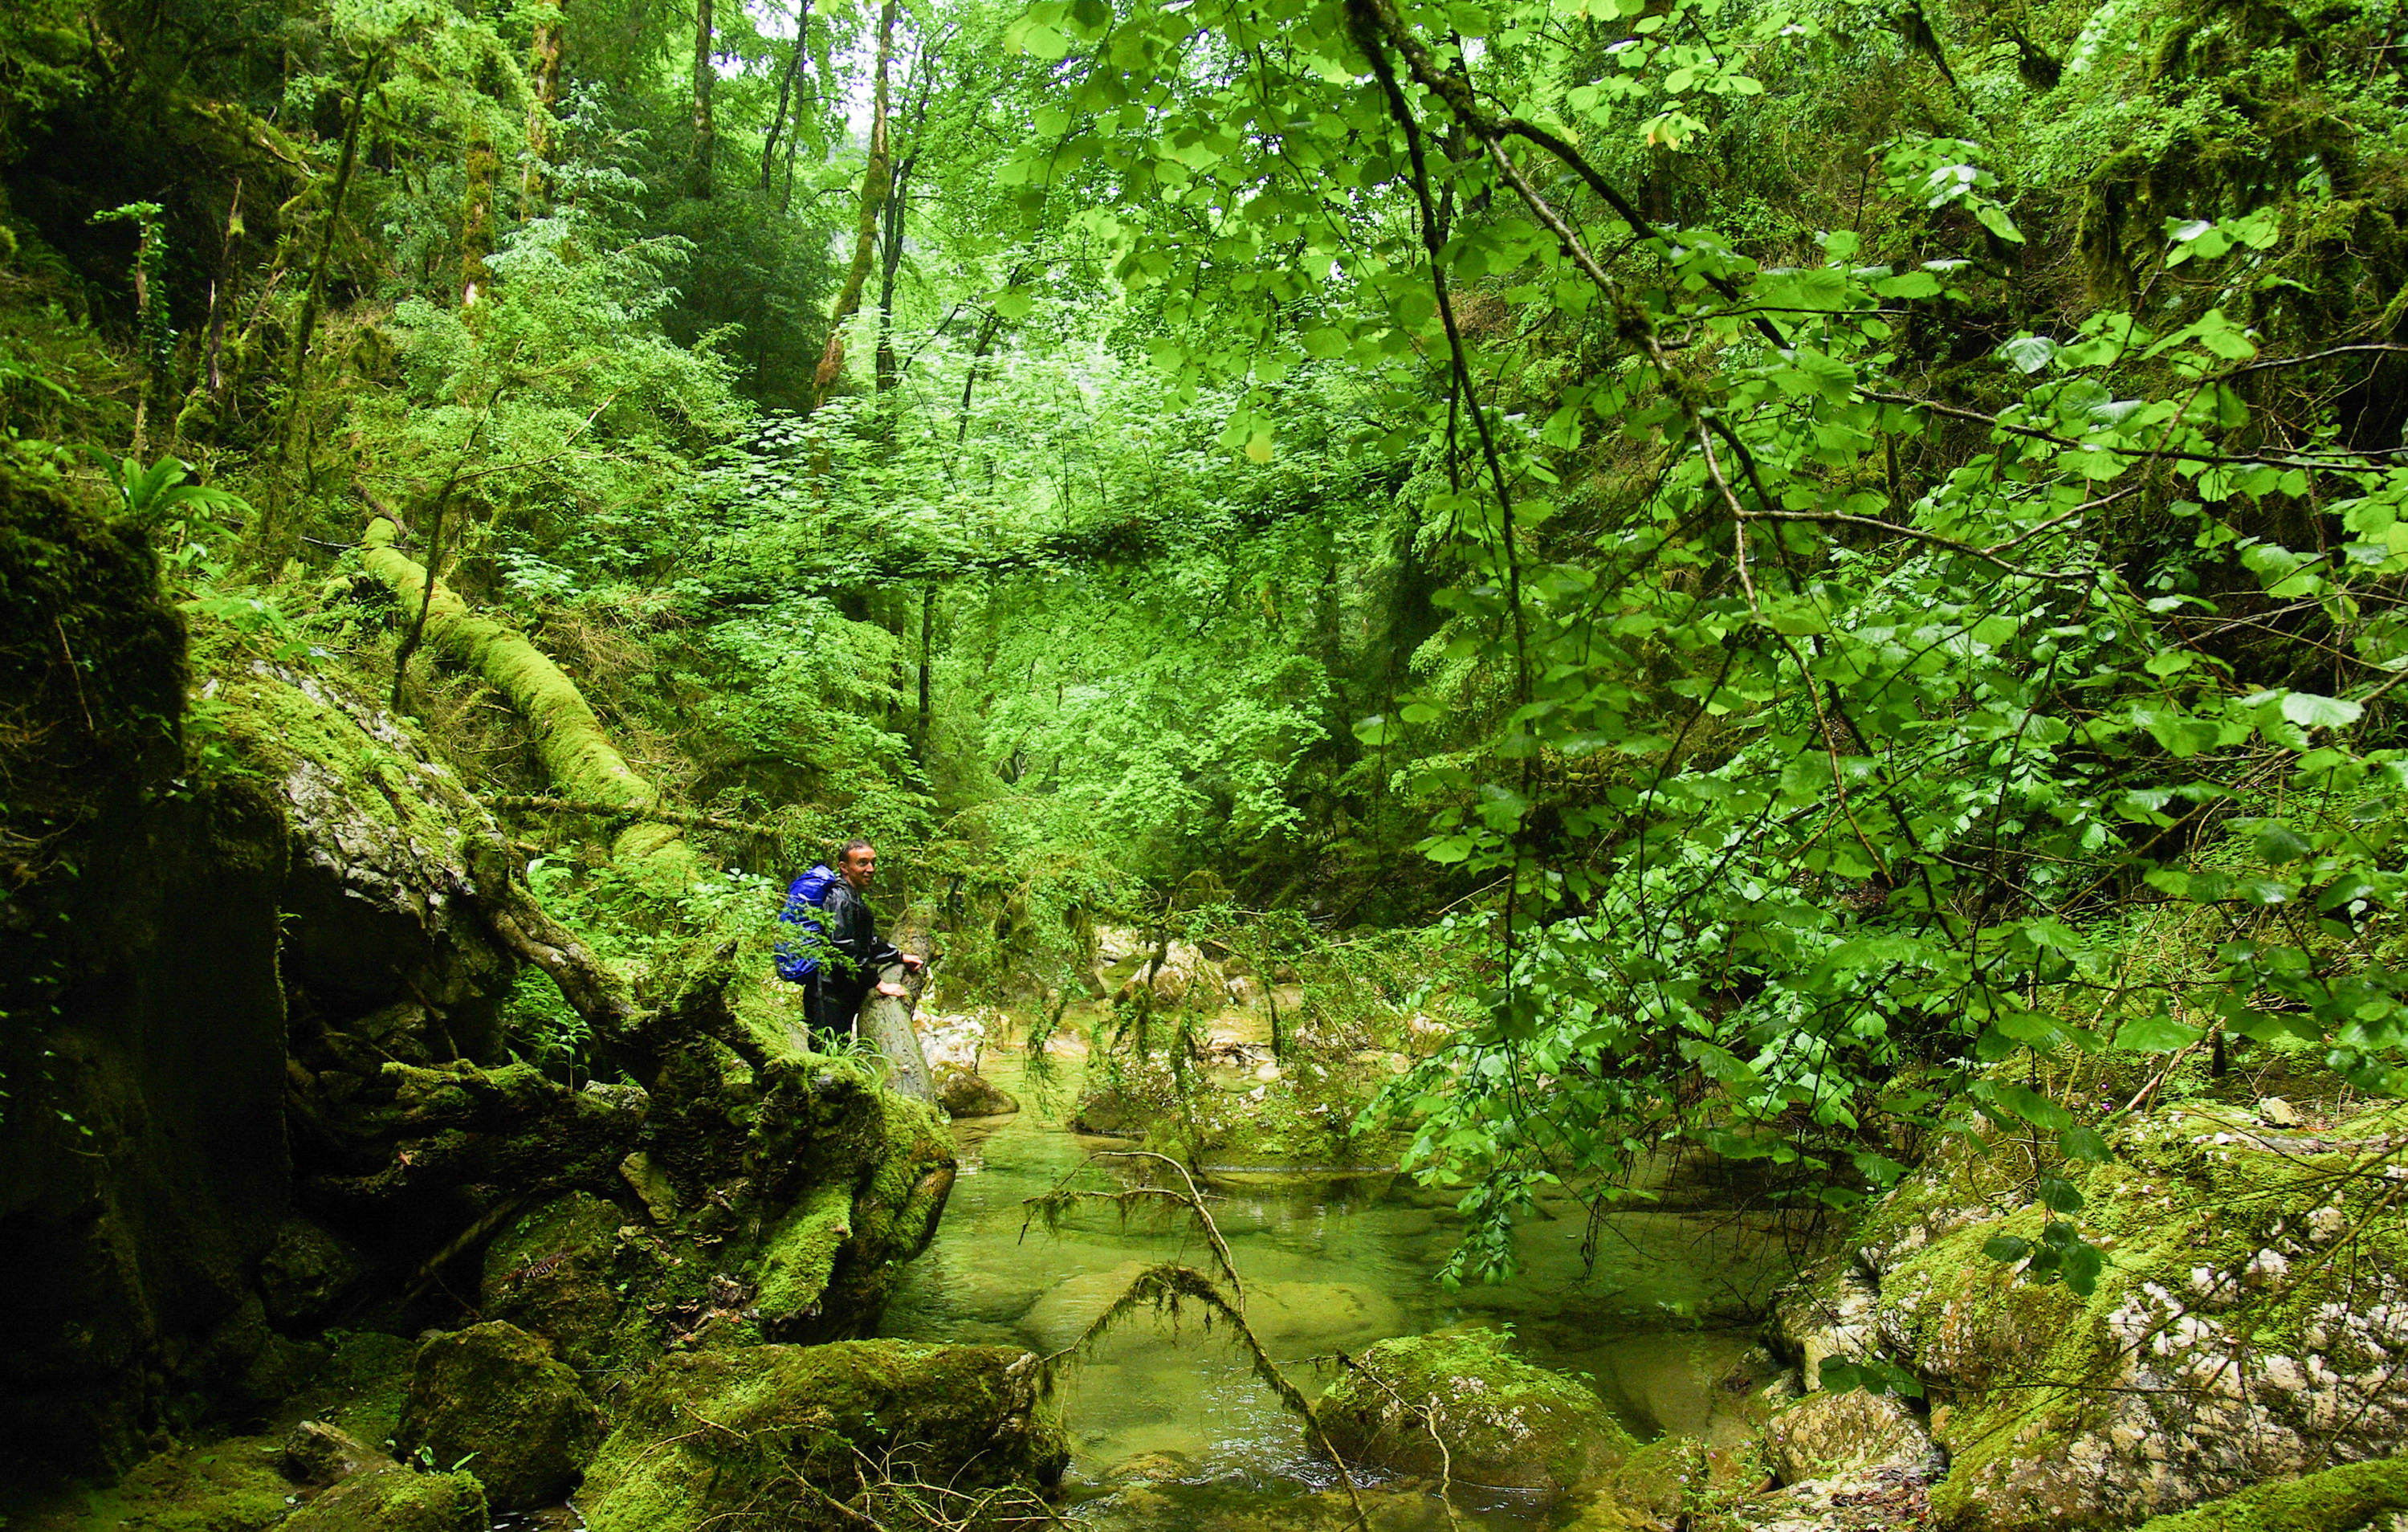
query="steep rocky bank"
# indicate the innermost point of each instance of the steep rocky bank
(259, 1094)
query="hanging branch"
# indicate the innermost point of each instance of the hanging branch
(1162, 1288)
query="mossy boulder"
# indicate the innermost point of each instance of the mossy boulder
(2343, 1499)
(306, 1272)
(2255, 1290)
(771, 1430)
(1505, 1423)
(495, 1395)
(965, 1093)
(397, 1499)
(555, 1273)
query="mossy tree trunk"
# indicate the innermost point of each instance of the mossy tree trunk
(877, 180)
(576, 749)
(543, 71)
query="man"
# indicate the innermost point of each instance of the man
(840, 956)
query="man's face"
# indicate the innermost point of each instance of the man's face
(858, 867)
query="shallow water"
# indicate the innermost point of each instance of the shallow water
(1168, 1428)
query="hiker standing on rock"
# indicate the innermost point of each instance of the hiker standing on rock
(840, 958)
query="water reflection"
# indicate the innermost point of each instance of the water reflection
(1168, 1428)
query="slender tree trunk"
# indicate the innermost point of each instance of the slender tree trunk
(924, 70)
(316, 294)
(789, 91)
(543, 71)
(875, 177)
(989, 328)
(706, 75)
(890, 262)
(928, 645)
(484, 168)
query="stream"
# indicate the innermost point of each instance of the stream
(1171, 1430)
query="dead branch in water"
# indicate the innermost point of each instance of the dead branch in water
(1164, 1286)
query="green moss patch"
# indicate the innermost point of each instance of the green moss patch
(779, 1430)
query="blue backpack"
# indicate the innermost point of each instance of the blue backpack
(805, 898)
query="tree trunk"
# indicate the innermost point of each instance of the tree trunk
(890, 262)
(705, 131)
(316, 294)
(477, 214)
(575, 747)
(927, 643)
(789, 91)
(876, 178)
(543, 70)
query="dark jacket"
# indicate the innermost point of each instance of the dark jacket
(840, 936)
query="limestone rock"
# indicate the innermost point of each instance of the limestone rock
(395, 1500)
(1830, 1433)
(318, 1453)
(790, 1423)
(1506, 1423)
(964, 1093)
(493, 1395)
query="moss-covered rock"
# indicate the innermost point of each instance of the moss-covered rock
(306, 1272)
(965, 1093)
(2253, 1292)
(397, 1499)
(555, 1273)
(1672, 1481)
(1505, 1423)
(1829, 1433)
(2343, 1499)
(494, 1396)
(776, 1430)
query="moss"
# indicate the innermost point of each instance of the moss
(225, 1486)
(771, 1430)
(2336, 1500)
(493, 1397)
(395, 1500)
(1505, 1423)
(576, 749)
(555, 1271)
(364, 1383)
(799, 1251)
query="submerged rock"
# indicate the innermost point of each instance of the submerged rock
(1505, 1423)
(493, 1400)
(965, 1093)
(397, 1499)
(775, 1430)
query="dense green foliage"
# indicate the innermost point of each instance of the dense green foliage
(1843, 558)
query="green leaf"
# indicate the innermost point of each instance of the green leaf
(2311, 712)
(2006, 1248)
(2083, 1144)
(2156, 1034)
